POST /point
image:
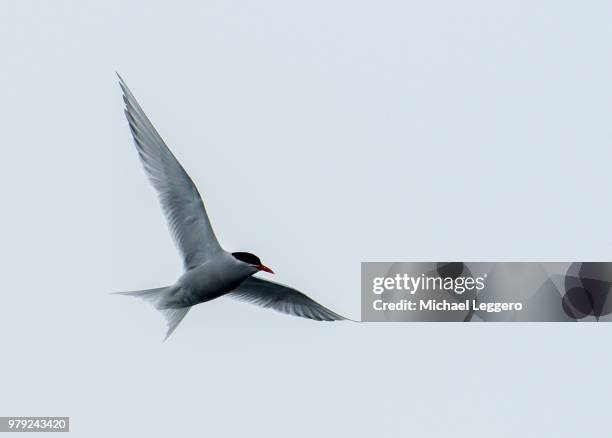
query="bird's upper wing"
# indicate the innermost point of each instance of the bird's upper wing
(282, 299)
(179, 197)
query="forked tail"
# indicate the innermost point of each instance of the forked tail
(155, 296)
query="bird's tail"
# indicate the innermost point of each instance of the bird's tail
(173, 316)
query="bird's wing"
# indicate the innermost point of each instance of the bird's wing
(282, 299)
(179, 197)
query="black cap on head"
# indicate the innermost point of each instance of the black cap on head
(247, 257)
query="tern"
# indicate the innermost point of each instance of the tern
(209, 271)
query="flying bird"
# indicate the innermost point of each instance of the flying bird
(209, 271)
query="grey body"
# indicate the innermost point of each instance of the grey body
(212, 279)
(209, 271)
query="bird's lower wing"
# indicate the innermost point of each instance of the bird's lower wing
(282, 299)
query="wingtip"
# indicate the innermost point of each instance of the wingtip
(344, 318)
(122, 84)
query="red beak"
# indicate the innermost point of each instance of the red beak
(265, 268)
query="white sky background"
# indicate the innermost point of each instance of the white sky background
(320, 134)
